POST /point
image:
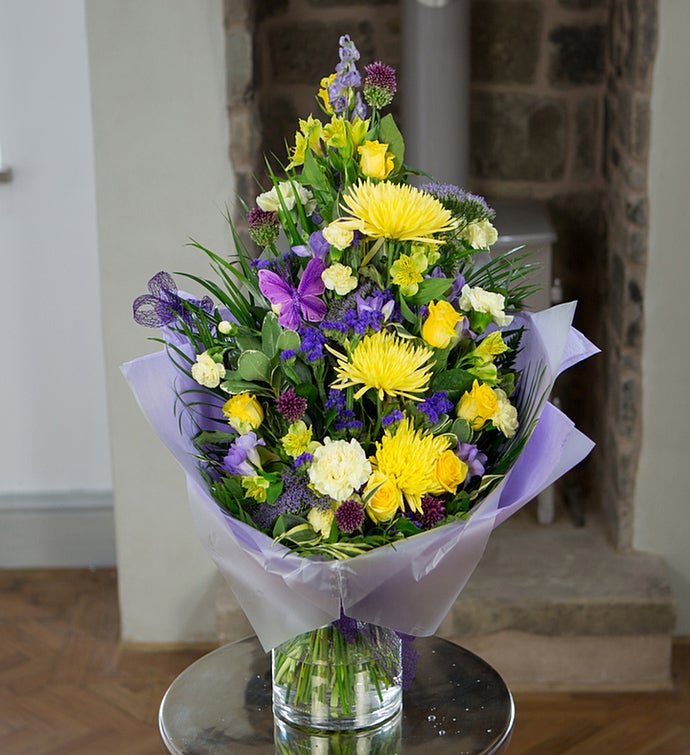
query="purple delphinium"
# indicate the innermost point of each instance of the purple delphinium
(435, 405)
(474, 458)
(349, 516)
(242, 457)
(291, 406)
(347, 78)
(163, 305)
(264, 227)
(433, 511)
(379, 85)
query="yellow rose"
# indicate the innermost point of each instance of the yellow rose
(382, 505)
(439, 327)
(478, 405)
(375, 161)
(450, 471)
(244, 412)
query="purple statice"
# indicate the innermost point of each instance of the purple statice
(346, 418)
(242, 457)
(433, 511)
(264, 227)
(379, 85)
(317, 247)
(295, 497)
(474, 458)
(435, 406)
(336, 400)
(291, 406)
(395, 416)
(163, 305)
(470, 207)
(313, 342)
(301, 460)
(286, 354)
(260, 264)
(349, 516)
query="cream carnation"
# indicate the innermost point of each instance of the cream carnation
(321, 520)
(505, 418)
(339, 278)
(337, 236)
(339, 468)
(206, 372)
(480, 235)
(290, 193)
(479, 300)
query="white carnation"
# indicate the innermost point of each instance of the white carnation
(339, 278)
(339, 468)
(505, 418)
(480, 234)
(206, 371)
(270, 202)
(479, 300)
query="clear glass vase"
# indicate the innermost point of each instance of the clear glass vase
(344, 676)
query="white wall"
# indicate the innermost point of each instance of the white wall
(662, 508)
(162, 175)
(54, 433)
(55, 483)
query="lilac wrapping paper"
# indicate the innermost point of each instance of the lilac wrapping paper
(408, 586)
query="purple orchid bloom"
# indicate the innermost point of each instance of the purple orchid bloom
(242, 457)
(318, 247)
(296, 304)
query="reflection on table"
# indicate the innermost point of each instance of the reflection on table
(222, 704)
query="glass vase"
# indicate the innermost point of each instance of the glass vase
(344, 676)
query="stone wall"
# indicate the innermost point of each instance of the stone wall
(559, 113)
(632, 47)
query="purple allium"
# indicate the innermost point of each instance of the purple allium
(433, 511)
(264, 227)
(379, 85)
(242, 457)
(163, 305)
(474, 458)
(436, 405)
(395, 416)
(349, 516)
(291, 406)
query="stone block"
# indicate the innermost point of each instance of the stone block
(641, 49)
(518, 137)
(577, 55)
(240, 66)
(586, 138)
(505, 41)
(348, 3)
(583, 4)
(280, 121)
(245, 137)
(302, 52)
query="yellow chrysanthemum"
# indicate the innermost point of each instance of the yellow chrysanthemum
(395, 211)
(386, 363)
(407, 458)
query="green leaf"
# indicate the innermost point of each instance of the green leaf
(390, 134)
(453, 381)
(235, 385)
(270, 333)
(274, 491)
(429, 289)
(288, 340)
(461, 428)
(254, 365)
(308, 391)
(245, 343)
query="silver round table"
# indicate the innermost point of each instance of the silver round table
(222, 704)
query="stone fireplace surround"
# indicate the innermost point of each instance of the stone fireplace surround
(560, 112)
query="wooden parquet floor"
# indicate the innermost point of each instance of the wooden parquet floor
(68, 687)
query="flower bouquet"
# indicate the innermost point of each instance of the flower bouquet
(357, 402)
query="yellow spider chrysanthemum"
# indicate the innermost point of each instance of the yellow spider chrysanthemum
(395, 211)
(407, 458)
(387, 363)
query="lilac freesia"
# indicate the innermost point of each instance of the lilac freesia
(318, 247)
(473, 457)
(243, 457)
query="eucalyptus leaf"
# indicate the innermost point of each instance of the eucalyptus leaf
(248, 343)
(270, 333)
(254, 365)
(461, 428)
(288, 340)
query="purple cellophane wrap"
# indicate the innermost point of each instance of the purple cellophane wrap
(409, 585)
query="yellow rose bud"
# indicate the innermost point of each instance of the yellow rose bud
(450, 471)
(478, 405)
(439, 327)
(382, 505)
(375, 161)
(244, 412)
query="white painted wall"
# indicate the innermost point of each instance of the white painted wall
(54, 432)
(162, 175)
(662, 508)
